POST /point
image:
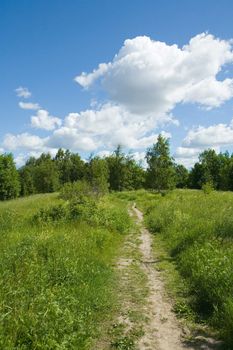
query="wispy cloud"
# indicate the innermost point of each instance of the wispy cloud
(29, 105)
(23, 92)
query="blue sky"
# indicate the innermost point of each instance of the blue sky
(46, 44)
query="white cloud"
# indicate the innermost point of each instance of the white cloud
(149, 76)
(211, 136)
(144, 82)
(104, 153)
(29, 105)
(106, 128)
(88, 79)
(210, 92)
(187, 162)
(23, 92)
(200, 138)
(185, 152)
(187, 156)
(23, 141)
(42, 120)
(20, 160)
(70, 139)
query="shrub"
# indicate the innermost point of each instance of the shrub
(76, 191)
(207, 187)
(54, 213)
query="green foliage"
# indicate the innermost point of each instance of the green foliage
(115, 172)
(197, 231)
(70, 166)
(196, 176)
(212, 168)
(46, 176)
(124, 343)
(76, 191)
(182, 176)
(54, 213)
(116, 169)
(211, 164)
(26, 180)
(98, 175)
(160, 172)
(84, 206)
(124, 172)
(207, 187)
(57, 283)
(9, 180)
(134, 175)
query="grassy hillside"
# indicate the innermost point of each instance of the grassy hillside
(197, 232)
(56, 284)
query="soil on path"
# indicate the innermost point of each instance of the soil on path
(144, 319)
(162, 331)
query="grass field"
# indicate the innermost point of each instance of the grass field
(196, 230)
(57, 283)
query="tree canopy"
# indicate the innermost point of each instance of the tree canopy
(116, 172)
(161, 170)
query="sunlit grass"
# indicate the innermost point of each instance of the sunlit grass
(197, 231)
(57, 281)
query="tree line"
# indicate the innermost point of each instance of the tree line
(116, 172)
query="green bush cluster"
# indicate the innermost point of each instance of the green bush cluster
(87, 209)
(198, 232)
(76, 190)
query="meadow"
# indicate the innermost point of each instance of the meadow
(196, 230)
(57, 280)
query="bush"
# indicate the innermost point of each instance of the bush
(88, 210)
(76, 191)
(54, 213)
(207, 187)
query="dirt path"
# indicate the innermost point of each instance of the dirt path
(162, 331)
(144, 319)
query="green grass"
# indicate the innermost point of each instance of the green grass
(57, 281)
(196, 231)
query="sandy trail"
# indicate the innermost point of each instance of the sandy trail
(162, 331)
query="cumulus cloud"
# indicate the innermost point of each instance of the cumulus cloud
(20, 160)
(211, 136)
(23, 141)
(200, 138)
(105, 128)
(144, 82)
(88, 79)
(187, 156)
(89, 131)
(150, 76)
(42, 120)
(187, 162)
(185, 152)
(29, 105)
(23, 92)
